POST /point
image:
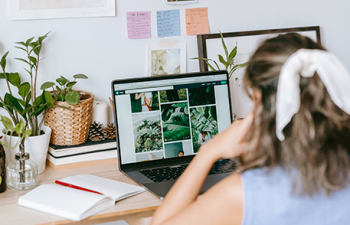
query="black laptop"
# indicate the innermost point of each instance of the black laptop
(161, 123)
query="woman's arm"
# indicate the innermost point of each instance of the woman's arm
(182, 198)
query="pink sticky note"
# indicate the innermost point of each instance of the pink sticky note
(197, 21)
(139, 24)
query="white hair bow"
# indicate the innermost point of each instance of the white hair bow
(306, 62)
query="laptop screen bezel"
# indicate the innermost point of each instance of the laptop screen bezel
(170, 161)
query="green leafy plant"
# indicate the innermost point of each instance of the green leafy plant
(228, 62)
(19, 129)
(25, 105)
(63, 91)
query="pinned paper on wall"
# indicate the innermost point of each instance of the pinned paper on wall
(139, 24)
(168, 23)
(197, 21)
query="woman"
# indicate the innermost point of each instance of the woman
(146, 101)
(293, 149)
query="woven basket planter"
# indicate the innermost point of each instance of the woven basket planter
(71, 127)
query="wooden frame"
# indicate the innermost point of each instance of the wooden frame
(202, 39)
(210, 45)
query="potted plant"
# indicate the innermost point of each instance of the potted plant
(71, 122)
(21, 174)
(228, 62)
(25, 103)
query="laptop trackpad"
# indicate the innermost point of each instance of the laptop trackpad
(160, 188)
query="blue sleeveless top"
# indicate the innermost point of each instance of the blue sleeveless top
(268, 199)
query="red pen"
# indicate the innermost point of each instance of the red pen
(76, 187)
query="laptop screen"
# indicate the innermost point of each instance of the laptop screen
(169, 117)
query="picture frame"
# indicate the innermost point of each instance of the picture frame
(166, 60)
(210, 45)
(181, 2)
(53, 9)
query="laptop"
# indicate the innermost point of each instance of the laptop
(162, 121)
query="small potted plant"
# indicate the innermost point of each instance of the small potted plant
(26, 104)
(70, 123)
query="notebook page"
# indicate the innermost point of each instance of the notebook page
(112, 188)
(63, 201)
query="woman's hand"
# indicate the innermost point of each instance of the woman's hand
(229, 143)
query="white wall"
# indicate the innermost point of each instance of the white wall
(99, 47)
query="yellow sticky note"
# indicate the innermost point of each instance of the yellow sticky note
(197, 21)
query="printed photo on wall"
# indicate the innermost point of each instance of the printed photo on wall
(181, 2)
(147, 132)
(204, 125)
(173, 95)
(175, 120)
(144, 102)
(166, 60)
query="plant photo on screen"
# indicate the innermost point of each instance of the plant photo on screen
(175, 120)
(144, 102)
(201, 96)
(147, 132)
(204, 125)
(173, 95)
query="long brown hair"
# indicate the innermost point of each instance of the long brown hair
(317, 140)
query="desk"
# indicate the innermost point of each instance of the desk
(130, 209)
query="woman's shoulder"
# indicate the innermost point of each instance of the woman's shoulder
(269, 198)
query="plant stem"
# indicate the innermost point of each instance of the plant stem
(7, 81)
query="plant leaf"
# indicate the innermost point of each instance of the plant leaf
(29, 41)
(71, 84)
(62, 81)
(2, 76)
(48, 99)
(21, 43)
(27, 133)
(217, 65)
(47, 85)
(233, 69)
(16, 104)
(38, 111)
(23, 89)
(23, 103)
(21, 48)
(29, 95)
(8, 102)
(19, 127)
(38, 101)
(80, 76)
(33, 59)
(3, 60)
(7, 122)
(210, 66)
(232, 55)
(221, 59)
(14, 79)
(72, 98)
(23, 60)
(224, 45)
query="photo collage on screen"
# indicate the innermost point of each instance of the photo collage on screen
(172, 123)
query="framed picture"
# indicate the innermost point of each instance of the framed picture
(181, 2)
(210, 45)
(50, 9)
(166, 60)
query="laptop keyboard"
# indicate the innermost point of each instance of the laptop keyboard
(172, 173)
